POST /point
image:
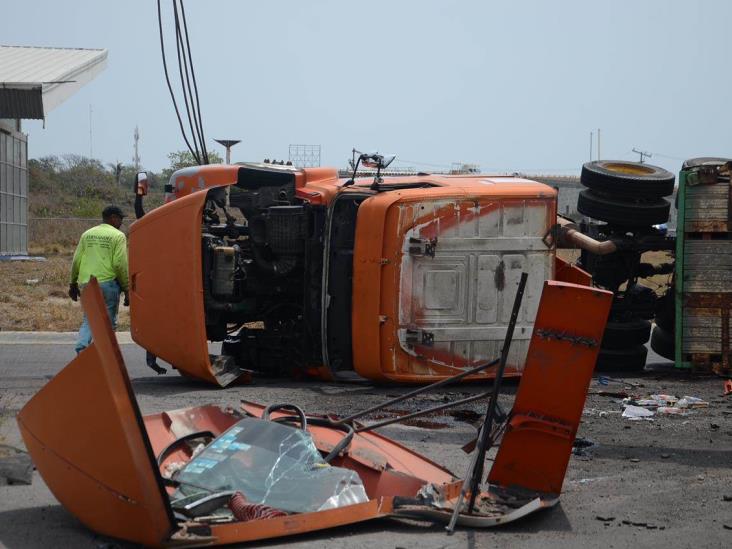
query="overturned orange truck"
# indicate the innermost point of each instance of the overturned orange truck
(298, 272)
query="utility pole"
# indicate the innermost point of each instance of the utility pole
(599, 156)
(91, 149)
(228, 143)
(643, 154)
(136, 158)
(591, 146)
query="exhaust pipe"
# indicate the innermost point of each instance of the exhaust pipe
(569, 236)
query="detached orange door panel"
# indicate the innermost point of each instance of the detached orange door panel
(85, 434)
(537, 444)
(434, 296)
(166, 285)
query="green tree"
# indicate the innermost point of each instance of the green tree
(184, 159)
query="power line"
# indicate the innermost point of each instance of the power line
(190, 92)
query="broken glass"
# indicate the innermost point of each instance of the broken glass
(273, 464)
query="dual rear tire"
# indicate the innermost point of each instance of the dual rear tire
(626, 194)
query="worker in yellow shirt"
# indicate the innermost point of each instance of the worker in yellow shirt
(101, 253)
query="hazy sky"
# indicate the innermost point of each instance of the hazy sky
(513, 85)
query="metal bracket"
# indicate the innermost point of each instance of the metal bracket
(419, 337)
(422, 246)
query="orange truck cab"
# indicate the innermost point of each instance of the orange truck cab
(295, 271)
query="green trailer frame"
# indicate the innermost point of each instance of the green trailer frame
(703, 271)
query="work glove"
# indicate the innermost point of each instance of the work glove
(126, 302)
(74, 291)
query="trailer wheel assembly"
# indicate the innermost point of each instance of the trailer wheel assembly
(632, 359)
(624, 212)
(662, 341)
(622, 335)
(629, 179)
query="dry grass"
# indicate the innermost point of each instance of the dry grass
(33, 296)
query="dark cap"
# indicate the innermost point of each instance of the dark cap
(112, 210)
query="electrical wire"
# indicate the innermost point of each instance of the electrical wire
(170, 87)
(185, 83)
(195, 83)
(197, 142)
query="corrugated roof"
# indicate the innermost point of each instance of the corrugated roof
(57, 72)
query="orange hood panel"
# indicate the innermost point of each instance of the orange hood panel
(84, 432)
(166, 286)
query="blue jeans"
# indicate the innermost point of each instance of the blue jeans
(110, 291)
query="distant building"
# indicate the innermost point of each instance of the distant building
(33, 81)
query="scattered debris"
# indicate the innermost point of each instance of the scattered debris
(692, 402)
(727, 387)
(604, 519)
(271, 466)
(580, 447)
(667, 405)
(672, 411)
(604, 380)
(16, 466)
(613, 394)
(638, 413)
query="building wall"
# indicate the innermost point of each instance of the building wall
(13, 189)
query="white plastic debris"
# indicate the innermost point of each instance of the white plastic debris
(637, 413)
(692, 402)
(672, 411)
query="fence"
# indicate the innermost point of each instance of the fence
(13, 193)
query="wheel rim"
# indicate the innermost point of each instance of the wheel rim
(628, 169)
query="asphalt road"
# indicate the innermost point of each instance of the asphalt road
(656, 484)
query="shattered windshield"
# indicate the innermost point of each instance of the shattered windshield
(272, 464)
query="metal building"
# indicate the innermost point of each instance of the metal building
(33, 81)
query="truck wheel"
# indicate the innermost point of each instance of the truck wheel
(632, 359)
(662, 341)
(622, 335)
(626, 213)
(666, 311)
(630, 179)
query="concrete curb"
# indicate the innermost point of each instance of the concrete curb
(51, 338)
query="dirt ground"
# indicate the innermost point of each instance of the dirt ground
(33, 297)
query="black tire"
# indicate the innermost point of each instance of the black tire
(636, 302)
(663, 342)
(625, 213)
(666, 311)
(632, 359)
(630, 179)
(622, 335)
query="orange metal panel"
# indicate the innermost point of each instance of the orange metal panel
(166, 286)
(84, 433)
(566, 272)
(240, 532)
(197, 178)
(538, 441)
